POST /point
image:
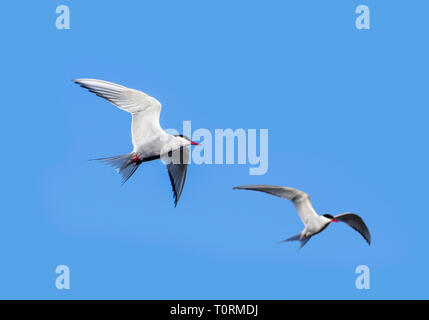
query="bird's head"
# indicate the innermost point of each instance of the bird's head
(330, 217)
(186, 141)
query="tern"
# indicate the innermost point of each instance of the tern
(313, 223)
(149, 140)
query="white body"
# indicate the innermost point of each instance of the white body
(149, 140)
(313, 223)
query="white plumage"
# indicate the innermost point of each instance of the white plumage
(149, 140)
(313, 223)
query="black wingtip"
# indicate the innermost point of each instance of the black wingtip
(367, 239)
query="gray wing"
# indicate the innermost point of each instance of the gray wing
(300, 199)
(177, 169)
(145, 109)
(357, 223)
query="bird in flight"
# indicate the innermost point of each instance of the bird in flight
(313, 223)
(150, 141)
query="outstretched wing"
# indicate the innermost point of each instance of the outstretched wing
(145, 109)
(300, 199)
(177, 169)
(357, 223)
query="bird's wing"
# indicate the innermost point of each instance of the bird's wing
(300, 199)
(357, 223)
(145, 109)
(177, 169)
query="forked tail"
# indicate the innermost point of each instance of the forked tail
(125, 164)
(298, 237)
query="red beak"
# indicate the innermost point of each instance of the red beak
(194, 143)
(334, 220)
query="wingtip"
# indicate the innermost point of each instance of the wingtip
(79, 81)
(176, 201)
(245, 187)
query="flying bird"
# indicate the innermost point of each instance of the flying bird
(313, 223)
(149, 140)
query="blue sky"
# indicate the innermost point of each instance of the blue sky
(347, 116)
